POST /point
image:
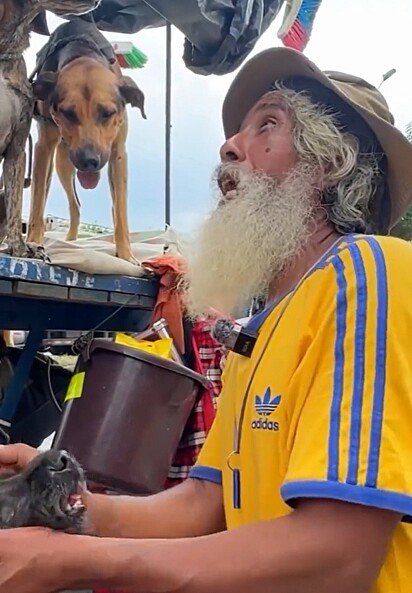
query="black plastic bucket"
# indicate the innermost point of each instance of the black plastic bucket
(125, 416)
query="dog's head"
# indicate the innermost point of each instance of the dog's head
(65, 7)
(47, 494)
(87, 102)
(19, 17)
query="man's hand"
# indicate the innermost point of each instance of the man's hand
(27, 561)
(192, 508)
(16, 457)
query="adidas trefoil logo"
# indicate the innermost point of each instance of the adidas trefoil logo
(266, 405)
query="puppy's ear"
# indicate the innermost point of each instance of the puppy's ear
(131, 93)
(39, 25)
(44, 85)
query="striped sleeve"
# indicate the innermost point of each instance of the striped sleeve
(353, 439)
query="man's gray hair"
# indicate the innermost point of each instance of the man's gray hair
(347, 179)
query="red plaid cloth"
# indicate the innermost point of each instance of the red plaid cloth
(210, 359)
(209, 363)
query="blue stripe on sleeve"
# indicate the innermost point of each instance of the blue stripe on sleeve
(373, 497)
(380, 364)
(358, 365)
(204, 472)
(341, 310)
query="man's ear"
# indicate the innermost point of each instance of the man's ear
(131, 93)
(44, 85)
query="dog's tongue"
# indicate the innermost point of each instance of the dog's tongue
(88, 179)
(75, 501)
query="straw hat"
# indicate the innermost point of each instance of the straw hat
(257, 76)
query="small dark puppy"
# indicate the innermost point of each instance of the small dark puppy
(46, 494)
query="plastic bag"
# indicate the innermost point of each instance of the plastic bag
(161, 347)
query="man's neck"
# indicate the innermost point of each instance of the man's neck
(319, 243)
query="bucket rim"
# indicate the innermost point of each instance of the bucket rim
(149, 358)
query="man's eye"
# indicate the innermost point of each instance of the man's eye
(69, 115)
(269, 123)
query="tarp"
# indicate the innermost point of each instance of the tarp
(219, 34)
(96, 255)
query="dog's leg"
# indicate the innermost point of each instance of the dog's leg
(14, 171)
(118, 187)
(66, 172)
(48, 137)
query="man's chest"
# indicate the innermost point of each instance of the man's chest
(258, 436)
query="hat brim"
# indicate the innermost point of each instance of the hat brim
(256, 78)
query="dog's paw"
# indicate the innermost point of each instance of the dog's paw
(127, 255)
(19, 248)
(14, 247)
(36, 251)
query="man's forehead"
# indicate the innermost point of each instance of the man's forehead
(275, 99)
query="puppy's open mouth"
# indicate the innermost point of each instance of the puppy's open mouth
(88, 179)
(74, 503)
(71, 503)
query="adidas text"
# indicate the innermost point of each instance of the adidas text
(265, 425)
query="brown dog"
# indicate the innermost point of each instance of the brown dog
(82, 121)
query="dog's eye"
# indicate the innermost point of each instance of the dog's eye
(70, 115)
(106, 114)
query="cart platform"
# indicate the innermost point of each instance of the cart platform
(39, 297)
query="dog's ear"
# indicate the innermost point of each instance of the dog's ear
(39, 25)
(44, 85)
(131, 93)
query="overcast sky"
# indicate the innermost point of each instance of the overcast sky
(349, 35)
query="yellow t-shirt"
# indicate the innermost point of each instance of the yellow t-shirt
(323, 408)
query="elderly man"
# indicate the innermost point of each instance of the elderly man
(305, 481)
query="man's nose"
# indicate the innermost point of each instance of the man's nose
(232, 150)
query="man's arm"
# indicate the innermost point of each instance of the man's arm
(192, 508)
(322, 546)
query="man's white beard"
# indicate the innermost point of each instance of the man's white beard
(248, 242)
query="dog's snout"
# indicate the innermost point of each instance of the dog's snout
(87, 160)
(59, 463)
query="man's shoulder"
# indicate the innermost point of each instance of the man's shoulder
(390, 246)
(378, 255)
(365, 264)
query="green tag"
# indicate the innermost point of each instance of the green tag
(75, 388)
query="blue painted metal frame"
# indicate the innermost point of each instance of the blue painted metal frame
(36, 271)
(18, 310)
(22, 372)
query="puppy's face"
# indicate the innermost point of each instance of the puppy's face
(47, 494)
(87, 102)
